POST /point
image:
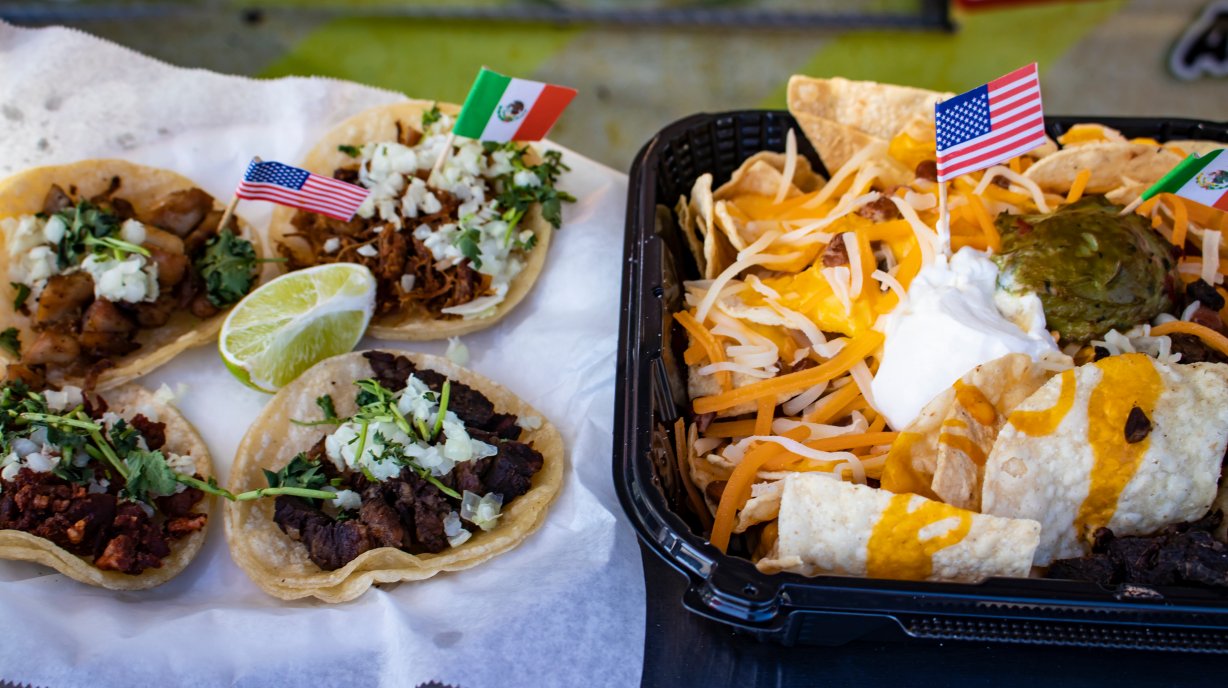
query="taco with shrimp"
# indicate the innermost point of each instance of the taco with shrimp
(386, 466)
(453, 250)
(110, 269)
(108, 490)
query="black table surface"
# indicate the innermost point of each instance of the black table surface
(682, 649)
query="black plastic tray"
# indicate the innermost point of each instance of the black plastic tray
(828, 610)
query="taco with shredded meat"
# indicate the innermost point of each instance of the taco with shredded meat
(386, 466)
(453, 250)
(110, 269)
(108, 490)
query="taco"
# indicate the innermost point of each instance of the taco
(452, 252)
(109, 491)
(110, 269)
(430, 467)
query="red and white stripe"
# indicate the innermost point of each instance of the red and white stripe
(1017, 124)
(324, 195)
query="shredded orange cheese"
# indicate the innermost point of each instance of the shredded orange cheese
(763, 420)
(825, 412)
(737, 488)
(694, 353)
(705, 339)
(857, 349)
(1210, 337)
(1181, 220)
(1079, 184)
(733, 428)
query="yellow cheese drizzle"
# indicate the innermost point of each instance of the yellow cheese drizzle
(976, 403)
(896, 550)
(964, 444)
(1041, 423)
(1129, 380)
(900, 474)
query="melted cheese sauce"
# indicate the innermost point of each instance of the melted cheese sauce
(1041, 423)
(1129, 380)
(896, 548)
(976, 403)
(964, 444)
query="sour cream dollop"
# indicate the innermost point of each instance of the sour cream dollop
(948, 326)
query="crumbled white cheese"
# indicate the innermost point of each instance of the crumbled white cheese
(132, 279)
(332, 245)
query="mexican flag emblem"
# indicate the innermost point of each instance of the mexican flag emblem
(502, 108)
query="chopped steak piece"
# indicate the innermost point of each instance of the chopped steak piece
(511, 471)
(330, 544)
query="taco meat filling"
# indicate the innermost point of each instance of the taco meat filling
(91, 274)
(51, 485)
(423, 463)
(442, 245)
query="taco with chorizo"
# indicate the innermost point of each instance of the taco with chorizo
(110, 269)
(454, 249)
(108, 490)
(417, 466)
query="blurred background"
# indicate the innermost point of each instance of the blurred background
(640, 64)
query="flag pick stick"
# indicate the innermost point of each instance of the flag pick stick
(234, 202)
(944, 221)
(1132, 207)
(443, 156)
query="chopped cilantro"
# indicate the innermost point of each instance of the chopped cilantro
(352, 151)
(515, 200)
(431, 116)
(325, 403)
(22, 292)
(124, 437)
(80, 475)
(148, 476)
(301, 472)
(10, 341)
(227, 267)
(467, 242)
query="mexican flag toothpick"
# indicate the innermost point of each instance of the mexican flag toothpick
(503, 108)
(1202, 179)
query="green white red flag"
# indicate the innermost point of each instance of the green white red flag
(1202, 179)
(502, 108)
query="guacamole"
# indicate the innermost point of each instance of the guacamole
(1092, 269)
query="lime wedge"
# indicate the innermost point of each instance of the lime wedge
(293, 322)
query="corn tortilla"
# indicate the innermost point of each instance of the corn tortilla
(380, 124)
(181, 438)
(280, 566)
(23, 194)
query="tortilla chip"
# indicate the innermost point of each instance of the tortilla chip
(1048, 476)
(23, 193)
(835, 143)
(880, 110)
(828, 526)
(763, 505)
(280, 565)
(964, 439)
(380, 124)
(181, 438)
(1089, 132)
(761, 174)
(690, 232)
(718, 252)
(1112, 165)
(1195, 146)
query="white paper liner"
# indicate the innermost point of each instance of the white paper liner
(565, 608)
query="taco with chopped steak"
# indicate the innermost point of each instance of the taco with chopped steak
(453, 251)
(110, 269)
(108, 490)
(386, 466)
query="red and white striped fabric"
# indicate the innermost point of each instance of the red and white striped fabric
(989, 124)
